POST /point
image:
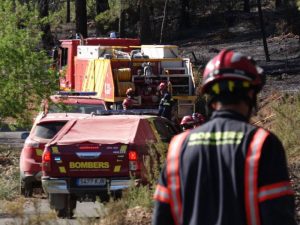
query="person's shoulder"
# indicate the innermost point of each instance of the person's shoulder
(181, 136)
(271, 137)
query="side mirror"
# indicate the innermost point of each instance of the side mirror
(24, 135)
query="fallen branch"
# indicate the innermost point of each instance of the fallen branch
(264, 120)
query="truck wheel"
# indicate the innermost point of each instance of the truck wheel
(104, 197)
(64, 205)
(117, 195)
(26, 188)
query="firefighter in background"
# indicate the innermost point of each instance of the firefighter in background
(227, 171)
(129, 101)
(187, 123)
(198, 118)
(191, 121)
(165, 104)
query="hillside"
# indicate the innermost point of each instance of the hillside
(283, 76)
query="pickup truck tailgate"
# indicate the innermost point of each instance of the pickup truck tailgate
(89, 160)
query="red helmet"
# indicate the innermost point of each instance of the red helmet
(127, 103)
(187, 122)
(198, 118)
(129, 91)
(162, 86)
(230, 66)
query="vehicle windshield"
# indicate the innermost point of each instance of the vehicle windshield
(48, 130)
(75, 108)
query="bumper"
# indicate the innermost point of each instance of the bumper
(62, 186)
(28, 177)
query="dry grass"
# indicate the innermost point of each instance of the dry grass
(9, 173)
(286, 124)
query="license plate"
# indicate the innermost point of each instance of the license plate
(91, 181)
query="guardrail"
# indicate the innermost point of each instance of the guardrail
(12, 139)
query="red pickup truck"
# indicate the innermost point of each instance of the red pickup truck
(97, 156)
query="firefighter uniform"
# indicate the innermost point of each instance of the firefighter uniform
(236, 175)
(165, 105)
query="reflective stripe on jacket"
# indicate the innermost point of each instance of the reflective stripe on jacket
(226, 172)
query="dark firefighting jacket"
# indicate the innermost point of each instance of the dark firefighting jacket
(225, 172)
(165, 106)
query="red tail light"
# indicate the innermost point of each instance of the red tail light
(47, 156)
(46, 160)
(133, 160)
(132, 155)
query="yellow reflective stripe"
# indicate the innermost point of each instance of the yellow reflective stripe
(215, 138)
(231, 86)
(216, 135)
(62, 169)
(117, 168)
(123, 148)
(39, 152)
(216, 88)
(246, 84)
(210, 142)
(55, 150)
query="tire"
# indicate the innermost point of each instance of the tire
(117, 195)
(64, 205)
(104, 197)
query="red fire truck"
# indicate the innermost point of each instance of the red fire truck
(109, 66)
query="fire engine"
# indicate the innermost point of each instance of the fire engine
(109, 66)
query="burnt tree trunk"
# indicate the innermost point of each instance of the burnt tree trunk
(163, 22)
(121, 20)
(81, 17)
(101, 6)
(185, 14)
(263, 32)
(145, 26)
(247, 6)
(43, 9)
(278, 4)
(68, 20)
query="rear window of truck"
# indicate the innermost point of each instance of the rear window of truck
(48, 130)
(75, 108)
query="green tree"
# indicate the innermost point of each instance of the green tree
(24, 68)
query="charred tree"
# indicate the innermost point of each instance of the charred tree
(145, 26)
(263, 32)
(121, 20)
(185, 14)
(81, 17)
(43, 8)
(163, 22)
(278, 4)
(101, 6)
(68, 20)
(247, 6)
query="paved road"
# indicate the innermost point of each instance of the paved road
(86, 213)
(12, 140)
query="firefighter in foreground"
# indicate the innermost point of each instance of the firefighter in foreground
(165, 105)
(227, 171)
